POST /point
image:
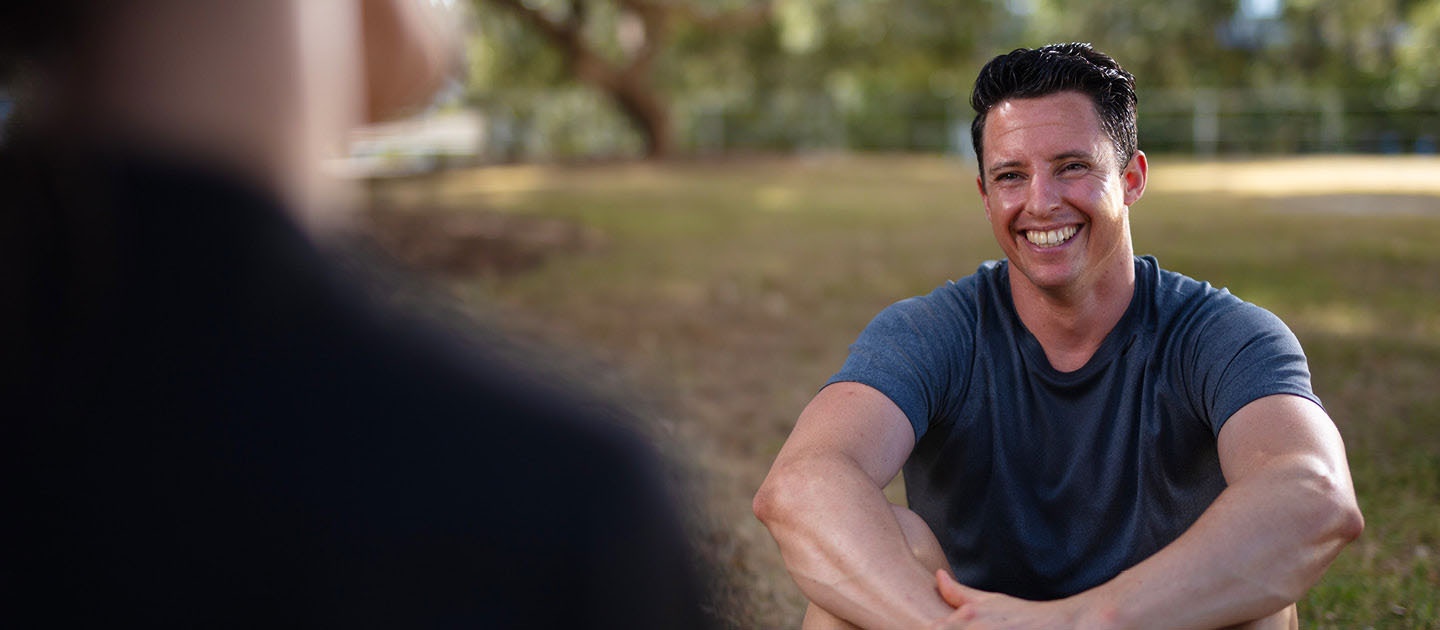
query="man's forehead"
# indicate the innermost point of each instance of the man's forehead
(1061, 108)
(1054, 126)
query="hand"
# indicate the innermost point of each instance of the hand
(977, 609)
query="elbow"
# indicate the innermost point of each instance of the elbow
(1350, 523)
(1324, 504)
(774, 499)
(1339, 511)
(1336, 521)
(764, 505)
(786, 494)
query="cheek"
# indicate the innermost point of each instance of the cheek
(1005, 202)
(994, 210)
(1000, 218)
(1098, 195)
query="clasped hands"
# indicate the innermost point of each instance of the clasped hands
(982, 610)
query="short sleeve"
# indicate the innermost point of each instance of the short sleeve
(914, 352)
(1244, 353)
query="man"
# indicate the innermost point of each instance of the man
(208, 423)
(1088, 440)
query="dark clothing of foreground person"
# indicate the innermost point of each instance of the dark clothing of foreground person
(206, 424)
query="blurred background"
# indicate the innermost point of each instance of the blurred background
(700, 203)
(564, 79)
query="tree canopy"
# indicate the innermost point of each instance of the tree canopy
(654, 77)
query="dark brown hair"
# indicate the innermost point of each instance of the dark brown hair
(1074, 67)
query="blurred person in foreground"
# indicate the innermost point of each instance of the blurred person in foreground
(1088, 440)
(205, 422)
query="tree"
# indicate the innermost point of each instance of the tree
(895, 74)
(862, 74)
(613, 47)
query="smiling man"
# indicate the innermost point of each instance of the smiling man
(1088, 440)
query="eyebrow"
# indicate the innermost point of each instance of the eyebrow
(1067, 155)
(1002, 165)
(1073, 154)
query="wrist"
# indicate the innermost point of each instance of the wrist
(1091, 611)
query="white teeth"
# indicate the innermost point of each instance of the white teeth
(1051, 238)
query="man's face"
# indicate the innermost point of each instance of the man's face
(1056, 198)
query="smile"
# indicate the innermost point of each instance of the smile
(1051, 238)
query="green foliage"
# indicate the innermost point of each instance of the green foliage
(504, 55)
(1417, 67)
(1173, 44)
(895, 74)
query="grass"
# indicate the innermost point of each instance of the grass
(726, 292)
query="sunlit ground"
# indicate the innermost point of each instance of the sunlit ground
(1320, 175)
(723, 293)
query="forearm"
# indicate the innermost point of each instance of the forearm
(843, 545)
(1257, 549)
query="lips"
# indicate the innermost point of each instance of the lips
(1051, 238)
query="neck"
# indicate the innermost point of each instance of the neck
(1071, 324)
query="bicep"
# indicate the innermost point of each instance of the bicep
(856, 422)
(1280, 429)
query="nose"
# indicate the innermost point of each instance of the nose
(1043, 196)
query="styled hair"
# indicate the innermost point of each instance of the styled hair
(1074, 67)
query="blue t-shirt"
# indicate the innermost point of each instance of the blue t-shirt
(1040, 483)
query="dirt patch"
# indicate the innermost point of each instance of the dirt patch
(476, 242)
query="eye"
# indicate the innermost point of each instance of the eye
(1008, 176)
(1074, 167)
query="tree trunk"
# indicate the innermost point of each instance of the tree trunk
(648, 113)
(629, 85)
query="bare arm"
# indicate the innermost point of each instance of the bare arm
(1288, 511)
(823, 503)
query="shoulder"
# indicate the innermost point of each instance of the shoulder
(938, 324)
(1174, 291)
(1184, 304)
(955, 301)
(919, 351)
(1228, 351)
(1194, 310)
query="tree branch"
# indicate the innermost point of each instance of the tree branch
(658, 16)
(736, 19)
(561, 34)
(584, 62)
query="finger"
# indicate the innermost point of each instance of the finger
(954, 593)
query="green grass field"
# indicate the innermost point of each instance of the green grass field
(725, 292)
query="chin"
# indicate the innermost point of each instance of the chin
(1050, 280)
(1050, 276)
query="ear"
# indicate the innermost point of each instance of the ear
(1134, 176)
(984, 196)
